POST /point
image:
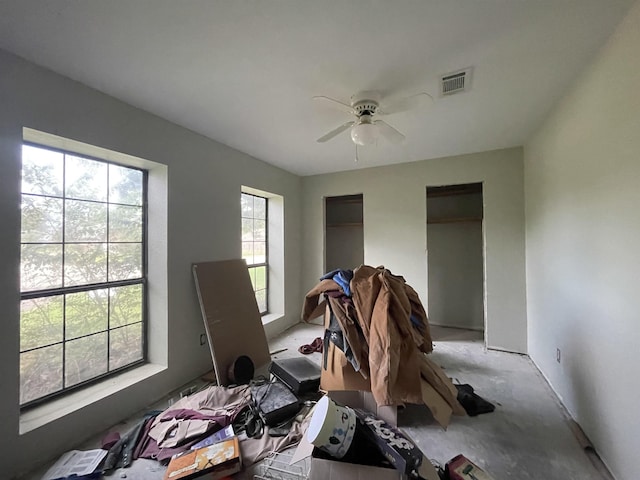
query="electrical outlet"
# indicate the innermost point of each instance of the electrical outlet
(558, 355)
(188, 391)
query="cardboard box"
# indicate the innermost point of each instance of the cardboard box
(365, 401)
(340, 375)
(213, 462)
(396, 447)
(335, 470)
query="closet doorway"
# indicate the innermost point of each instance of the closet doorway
(344, 232)
(455, 256)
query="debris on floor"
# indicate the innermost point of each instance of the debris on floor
(473, 403)
(313, 347)
(75, 463)
(301, 375)
(461, 468)
(216, 461)
(375, 345)
(347, 441)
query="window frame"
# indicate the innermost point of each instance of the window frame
(266, 249)
(106, 285)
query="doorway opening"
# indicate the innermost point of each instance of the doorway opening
(344, 232)
(455, 257)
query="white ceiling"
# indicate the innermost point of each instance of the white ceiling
(243, 72)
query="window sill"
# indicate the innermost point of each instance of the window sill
(55, 409)
(271, 317)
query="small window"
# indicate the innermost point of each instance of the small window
(83, 271)
(254, 246)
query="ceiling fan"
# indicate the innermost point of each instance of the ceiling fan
(367, 107)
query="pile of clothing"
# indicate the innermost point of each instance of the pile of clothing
(162, 434)
(378, 321)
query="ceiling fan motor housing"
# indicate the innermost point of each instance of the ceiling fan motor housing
(365, 103)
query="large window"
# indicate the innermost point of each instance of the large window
(83, 271)
(254, 245)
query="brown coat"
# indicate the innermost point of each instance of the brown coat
(384, 304)
(345, 315)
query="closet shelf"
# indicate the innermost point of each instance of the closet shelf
(454, 220)
(334, 225)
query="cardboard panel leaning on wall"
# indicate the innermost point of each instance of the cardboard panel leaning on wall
(231, 316)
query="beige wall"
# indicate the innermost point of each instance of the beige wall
(203, 185)
(582, 178)
(395, 228)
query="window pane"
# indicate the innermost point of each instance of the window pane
(125, 185)
(247, 229)
(85, 358)
(261, 298)
(85, 221)
(246, 205)
(259, 230)
(261, 278)
(40, 372)
(259, 252)
(82, 225)
(125, 261)
(86, 312)
(125, 305)
(247, 252)
(85, 263)
(259, 207)
(41, 267)
(252, 275)
(40, 322)
(41, 219)
(125, 224)
(42, 171)
(85, 179)
(125, 346)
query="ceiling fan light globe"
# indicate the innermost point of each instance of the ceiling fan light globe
(364, 134)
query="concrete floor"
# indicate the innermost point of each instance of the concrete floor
(527, 437)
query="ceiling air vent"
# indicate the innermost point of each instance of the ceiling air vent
(455, 82)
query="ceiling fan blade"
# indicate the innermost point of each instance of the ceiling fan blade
(334, 104)
(335, 132)
(419, 100)
(390, 133)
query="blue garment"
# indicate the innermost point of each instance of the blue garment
(342, 278)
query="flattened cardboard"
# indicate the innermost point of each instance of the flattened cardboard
(231, 316)
(438, 406)
(436, 377)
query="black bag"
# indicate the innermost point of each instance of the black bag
(275, 402)
(473, 403)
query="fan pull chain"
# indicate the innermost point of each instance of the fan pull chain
(356, 152)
